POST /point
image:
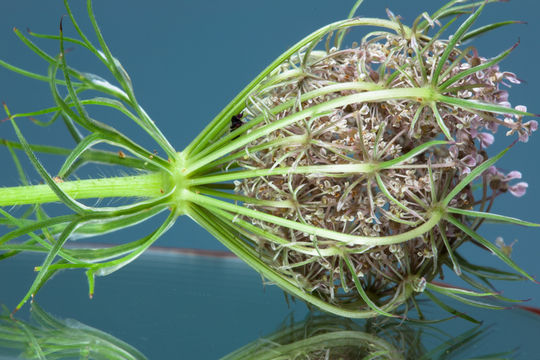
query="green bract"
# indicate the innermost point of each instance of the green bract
(344, 176)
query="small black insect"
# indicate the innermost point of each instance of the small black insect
(236, 122)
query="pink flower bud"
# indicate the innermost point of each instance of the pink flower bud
(531, 125)
(523, 136)
(486, 139)
(469, 160)
(511, 77)
(519, 189)
(512, 175)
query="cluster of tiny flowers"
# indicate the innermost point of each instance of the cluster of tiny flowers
(359, 203)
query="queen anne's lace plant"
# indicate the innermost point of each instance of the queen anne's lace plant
(347, 176)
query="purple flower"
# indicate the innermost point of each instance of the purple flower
(485, 138)
(527, 129)
(514, 174)
(492, 126)
(519, 189)
(469, 160)
(511, 77)
(499, 182)
(532, 125)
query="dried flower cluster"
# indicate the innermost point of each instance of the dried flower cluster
(378, 203)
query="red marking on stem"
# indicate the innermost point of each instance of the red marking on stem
(531, 309)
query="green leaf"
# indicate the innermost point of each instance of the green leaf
(490, 216)
(456, 38)
(477, 171)
(459, 291)
(56, 37)
(27, 73)
(486, 272)
(38, 282)
(123, 78)
(472, 70)
(494, 249)
(479, 286)
(82, 146)
(472, 302)
(484, 29)
(411, 154)
(449, 249)
(107, 268)
(478, 105)
(415, 119)
(43, 55)
(64, 197)
(440, 122)
(390, 197)
(437, 14)
(450, 309)
(91, 155)
(450, 9)
(107, 132)
(361, 290)
(37, 239)
(341, 33)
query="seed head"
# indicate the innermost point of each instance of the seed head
(464, 101)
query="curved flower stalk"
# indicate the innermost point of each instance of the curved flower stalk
(344, 176)
(47, 337)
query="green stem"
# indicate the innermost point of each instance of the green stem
(349, 239)
(146, 185)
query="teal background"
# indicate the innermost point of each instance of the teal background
(187, 59)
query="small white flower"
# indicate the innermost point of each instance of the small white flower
(506, 249)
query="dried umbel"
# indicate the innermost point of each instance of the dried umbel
(343, 176)
(366, 161)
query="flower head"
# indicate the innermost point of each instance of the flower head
(344, 149)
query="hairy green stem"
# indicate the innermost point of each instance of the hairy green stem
(146, 185)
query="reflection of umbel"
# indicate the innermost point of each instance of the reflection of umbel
(47, 337)
(330, 337)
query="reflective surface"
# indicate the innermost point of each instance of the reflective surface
(178, 304)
